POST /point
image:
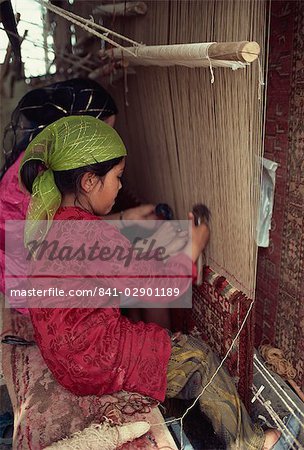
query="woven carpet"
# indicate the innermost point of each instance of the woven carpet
(217, 312)
(280, 282)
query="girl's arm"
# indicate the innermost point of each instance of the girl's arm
(141, 271)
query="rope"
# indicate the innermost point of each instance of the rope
(210, 64)
(276, 361)
(87, 25)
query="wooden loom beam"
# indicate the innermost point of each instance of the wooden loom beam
(244, 51)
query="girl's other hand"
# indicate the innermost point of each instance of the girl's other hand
(164, 235)
(200, 238)
(140, 213)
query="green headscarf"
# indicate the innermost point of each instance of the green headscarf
(68, 143)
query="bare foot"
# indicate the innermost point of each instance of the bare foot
(271, 437)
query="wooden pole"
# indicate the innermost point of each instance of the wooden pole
(235, 51)
(192, 54)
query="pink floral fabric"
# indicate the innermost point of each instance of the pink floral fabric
(46, 412)
(13, 206)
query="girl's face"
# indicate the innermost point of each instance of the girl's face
(102, 196)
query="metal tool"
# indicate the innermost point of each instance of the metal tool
(201, 215)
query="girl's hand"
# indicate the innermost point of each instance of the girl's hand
(200, 238)
(176, 242)
(140, 213)
(166, 236)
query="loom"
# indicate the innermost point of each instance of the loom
(203, 142)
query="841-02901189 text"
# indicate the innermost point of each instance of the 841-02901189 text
(97, 291)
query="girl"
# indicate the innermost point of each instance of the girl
(37, 109)
(96, 350)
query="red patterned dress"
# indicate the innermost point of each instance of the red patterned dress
(97, 350)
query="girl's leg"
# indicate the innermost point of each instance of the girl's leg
(160, 316)
(193, 360)
(133, 314)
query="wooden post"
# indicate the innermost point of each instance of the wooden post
(235, 51)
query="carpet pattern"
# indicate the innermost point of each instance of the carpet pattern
(217, 313)
(280, 281)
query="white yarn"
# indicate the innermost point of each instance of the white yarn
(188, 55)
(102, 436)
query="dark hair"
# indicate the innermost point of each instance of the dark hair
(67, 181)
(41, 107)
